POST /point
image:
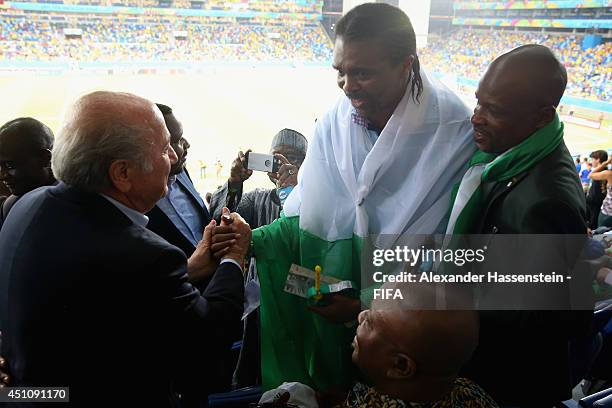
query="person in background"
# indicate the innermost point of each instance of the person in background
(597, 191)
(262, 206)
(603, 174)
(584, 177)
(180, 216)
(25, 159)
(259, 207)
(585, 162)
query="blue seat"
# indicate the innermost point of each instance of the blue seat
(589, 401)
(235, 399)
(584, 351)
(605, 402)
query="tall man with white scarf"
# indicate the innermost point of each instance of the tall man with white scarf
(382, 161)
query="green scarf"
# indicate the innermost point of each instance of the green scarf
(504, 167)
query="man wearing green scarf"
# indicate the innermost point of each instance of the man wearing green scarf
(522, 181)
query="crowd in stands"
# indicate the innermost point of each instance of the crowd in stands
(467, 53)
(153, 39)
(309, 6)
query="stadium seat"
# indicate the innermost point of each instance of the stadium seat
(235, 399)
(584, 351)
(589, 402)
(604, 402)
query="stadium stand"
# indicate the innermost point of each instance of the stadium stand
(468, 53)
(466, 35)
(48, 37)
(163, 30)
(304, 6)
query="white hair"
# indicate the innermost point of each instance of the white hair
(100, 130)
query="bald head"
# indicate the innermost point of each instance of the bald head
(407, 354)
(517, 96)
(423, 335)
(25, 155)
(109, 137)
(100, 110)
(532, 71)
(27, 133)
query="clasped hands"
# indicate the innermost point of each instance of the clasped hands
(228, 240)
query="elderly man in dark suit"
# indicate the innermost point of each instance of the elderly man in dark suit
(523, 181)
(89, 298)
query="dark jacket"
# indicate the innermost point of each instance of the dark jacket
(161, 224)
(6, 203)
(594, 199)
(91, 301)
(522, 358)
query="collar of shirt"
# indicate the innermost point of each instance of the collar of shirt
(136, 217)
(363, 121)
(171, 180)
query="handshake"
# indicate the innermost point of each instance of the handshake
(230, 240)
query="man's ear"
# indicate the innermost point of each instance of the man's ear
(403, 367)
(119, 175)
(45, 157)
(545, 116)
(407, 64)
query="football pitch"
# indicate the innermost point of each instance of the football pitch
(223, 110)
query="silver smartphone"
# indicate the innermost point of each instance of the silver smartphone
(261, 162)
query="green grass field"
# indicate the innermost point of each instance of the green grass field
(222, 111)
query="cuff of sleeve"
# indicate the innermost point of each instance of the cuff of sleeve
(231, 261)
(233, 189)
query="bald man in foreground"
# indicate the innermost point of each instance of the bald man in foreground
(92, 300)
(524, 182)
(413, 357)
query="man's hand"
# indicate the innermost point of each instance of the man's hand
(287, 172)
(5, 379)
(240, 245)
(215, 242)
(602, 274)
(331, 397)
(339, 308)
(239, 173)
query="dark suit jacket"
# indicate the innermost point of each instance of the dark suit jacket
(92, 301)
(594, 199)
(522, 358)
(218, 376)
(161, 224)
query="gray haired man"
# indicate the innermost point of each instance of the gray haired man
(88, 295)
